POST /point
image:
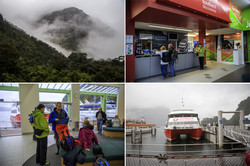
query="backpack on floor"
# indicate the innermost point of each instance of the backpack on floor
(67, 142)
(101, 162)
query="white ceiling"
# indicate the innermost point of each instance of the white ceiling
(242, 4)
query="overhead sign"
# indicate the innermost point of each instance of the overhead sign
(235, 16)
(232, 36)
(216, 8)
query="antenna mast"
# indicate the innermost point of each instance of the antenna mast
(182, 102)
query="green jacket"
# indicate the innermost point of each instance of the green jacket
(201, 51)
(40, 123)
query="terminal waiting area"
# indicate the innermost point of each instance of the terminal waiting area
(71, 124)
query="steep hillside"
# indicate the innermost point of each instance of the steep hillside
(24, 58)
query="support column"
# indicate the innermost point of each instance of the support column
(104, 102)
(202, 37)
(75, 110)
(220, 132)
(29, 99)
(241, 119)
(121, 102)
(130, 30)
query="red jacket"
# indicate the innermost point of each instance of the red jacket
(86, 137)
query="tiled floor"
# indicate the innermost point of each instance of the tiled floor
(212, 72)
(15, 150)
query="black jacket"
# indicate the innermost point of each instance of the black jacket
(103, 115)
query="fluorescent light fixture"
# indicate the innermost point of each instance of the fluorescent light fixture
(158, 26)
(190, 35)
(166, 27)
(188, 30)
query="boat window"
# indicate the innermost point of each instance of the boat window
(13, 111)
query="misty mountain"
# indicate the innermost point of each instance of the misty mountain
(71, 28)
(24, 58)
(243, 105)
(234, 120)
(157, 115)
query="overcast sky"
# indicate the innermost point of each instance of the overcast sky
(205, 99)
(23, 12)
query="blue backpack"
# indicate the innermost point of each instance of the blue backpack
(101, 162)
(31, 118)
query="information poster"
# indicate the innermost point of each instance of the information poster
(211, 52)
(129, 49)
(227, 55)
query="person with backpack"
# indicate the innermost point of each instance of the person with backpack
(101, 118)
(201, 53)
(164, 62)
(57, 114)
(87, 136)
(173, 56)
(31, 120)
(41, 132)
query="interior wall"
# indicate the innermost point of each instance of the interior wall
(29, 99)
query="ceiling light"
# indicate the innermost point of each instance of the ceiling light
(190, 35)
(166, 27)
(158, 26)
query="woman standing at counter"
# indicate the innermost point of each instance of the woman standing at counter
(164, 65)
(171, 53)
(200, 50)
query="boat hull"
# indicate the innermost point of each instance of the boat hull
(173, 134)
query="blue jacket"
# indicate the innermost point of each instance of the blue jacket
(53, 116)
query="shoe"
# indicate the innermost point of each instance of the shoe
(100, 133)
(47, 163)
(162, 77)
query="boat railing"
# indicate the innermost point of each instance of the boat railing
(185, 150)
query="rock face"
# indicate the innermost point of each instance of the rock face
(70, 28)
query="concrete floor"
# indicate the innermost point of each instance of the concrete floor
(213, 71)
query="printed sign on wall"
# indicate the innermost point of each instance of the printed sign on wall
(227, 55)
(235, 16)
(246, 19)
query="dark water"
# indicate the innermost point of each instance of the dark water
(155, 145)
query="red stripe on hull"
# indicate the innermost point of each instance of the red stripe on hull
(172, 134)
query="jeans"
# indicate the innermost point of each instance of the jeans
(201, 59)
(164, 70)
(171, 66)
(99, 126)
(57, 140)
(41, 150)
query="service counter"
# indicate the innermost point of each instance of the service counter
(149, 65)
(230, 56)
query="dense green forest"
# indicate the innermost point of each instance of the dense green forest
(234, 121)
(24, 58)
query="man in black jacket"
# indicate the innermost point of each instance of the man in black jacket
(101, 118)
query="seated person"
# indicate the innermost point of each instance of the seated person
(116, 122)
(87, 136)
